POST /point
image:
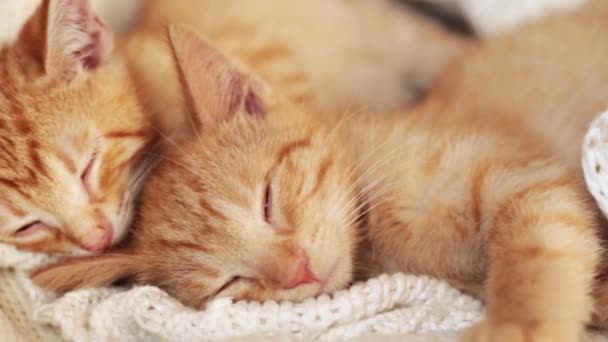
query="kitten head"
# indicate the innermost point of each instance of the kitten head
(72, 134)
(261, 206)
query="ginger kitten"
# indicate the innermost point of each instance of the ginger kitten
(75, 116)
(73, 135)
(479, 185)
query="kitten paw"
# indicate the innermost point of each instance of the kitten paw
(531, 331)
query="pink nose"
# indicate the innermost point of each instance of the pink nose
(301, 274)
(104, 241)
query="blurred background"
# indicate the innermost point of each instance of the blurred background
(482, 17)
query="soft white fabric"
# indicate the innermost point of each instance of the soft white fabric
(384, 305)
(595, 160)
(497, 16)
(491, 17)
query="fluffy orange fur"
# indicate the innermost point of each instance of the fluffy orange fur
(75, 139)
(74, 136)
(333, 56)
(479, 185)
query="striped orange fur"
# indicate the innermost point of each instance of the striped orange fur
(74, 125)
(334, 56)
(479, 185)
(74, 135)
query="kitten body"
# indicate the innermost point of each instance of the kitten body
(74, 134)
(332, 56)
(479, 185)
(80, 118)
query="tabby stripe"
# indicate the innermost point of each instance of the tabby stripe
(127, 134)
(173, 244)
(35, 157)
(211, 210)
(23, 125)
(507, 211)
(286, 150)
(263, 56)
(15, 186)
(479, 176)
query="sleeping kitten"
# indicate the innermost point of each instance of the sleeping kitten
(73, 134)
(487, 193)
(480, 186)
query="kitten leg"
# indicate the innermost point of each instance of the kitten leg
(543, 253)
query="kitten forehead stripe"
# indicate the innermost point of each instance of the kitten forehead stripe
(286, 150)
(127, 134)
(38, 164)
(14, 184)
(210, 209)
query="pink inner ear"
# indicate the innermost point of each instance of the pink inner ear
(76, 38)
(254, 105)
(216, 89)
(95, 56)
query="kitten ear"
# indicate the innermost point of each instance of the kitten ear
(66, 38)
(215, 88)
(86, 272)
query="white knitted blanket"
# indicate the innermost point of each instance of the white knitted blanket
(384, 305)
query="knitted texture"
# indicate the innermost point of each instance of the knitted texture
(595, 160)
(394, 304)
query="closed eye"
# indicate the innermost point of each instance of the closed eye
(268, 204)
(231, 282)
(30, 229)
(86, 173)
